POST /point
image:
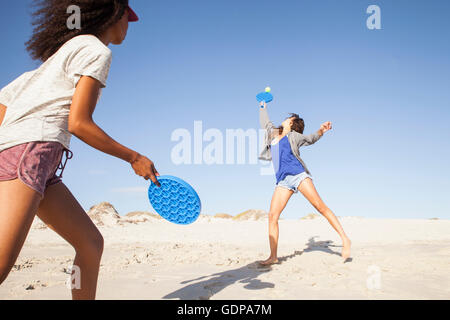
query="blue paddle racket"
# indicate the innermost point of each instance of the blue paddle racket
(265, 96)
(176, 201)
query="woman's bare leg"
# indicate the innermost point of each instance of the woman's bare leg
(18, 206)
(62, 213)
(309, 191)
(280, 198)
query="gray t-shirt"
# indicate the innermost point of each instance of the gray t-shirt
(38, 102)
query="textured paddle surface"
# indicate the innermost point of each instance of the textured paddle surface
(175, 201)
(264, 96)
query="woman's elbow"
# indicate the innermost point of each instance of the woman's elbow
(74, 127)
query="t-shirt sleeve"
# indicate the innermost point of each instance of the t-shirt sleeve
(305, 140)
(4, 97)
(89, 61)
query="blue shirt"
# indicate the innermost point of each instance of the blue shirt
(284, 161)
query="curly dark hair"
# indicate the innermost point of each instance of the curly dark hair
(297, 124)
(50, 23)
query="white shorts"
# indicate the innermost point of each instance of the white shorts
(292, 182)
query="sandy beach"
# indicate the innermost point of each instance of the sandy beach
(215, 258)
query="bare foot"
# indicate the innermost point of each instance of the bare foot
(346, 244)
(268, 262)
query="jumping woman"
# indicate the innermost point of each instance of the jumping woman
(40, 110)
(282, 146)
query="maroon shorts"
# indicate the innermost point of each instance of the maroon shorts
(34, 163)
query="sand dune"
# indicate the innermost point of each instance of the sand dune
(223, 216)
(146, 257)
(251, 215)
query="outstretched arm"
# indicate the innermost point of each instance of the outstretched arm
(264, 120)
(83, 126)
(306, 140)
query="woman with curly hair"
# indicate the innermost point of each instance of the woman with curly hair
(40, 110)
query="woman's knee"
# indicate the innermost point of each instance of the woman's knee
(92, 245)
(273, 217)
(322, 208)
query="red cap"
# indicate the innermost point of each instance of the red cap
(132, 16)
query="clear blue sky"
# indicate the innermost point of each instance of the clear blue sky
(386, 92)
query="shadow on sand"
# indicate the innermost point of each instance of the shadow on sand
(205, 287)
(323, 246)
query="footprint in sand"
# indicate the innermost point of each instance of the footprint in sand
(25, 265)
(35, 285)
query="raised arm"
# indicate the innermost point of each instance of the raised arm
(264, 120)
(83, 126)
